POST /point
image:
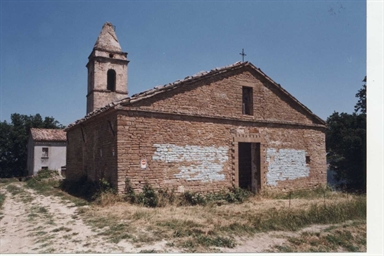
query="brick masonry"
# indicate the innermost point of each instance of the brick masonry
(106, 55)
(189, 137)
(197, 155)
(222, 97)
(92, 150)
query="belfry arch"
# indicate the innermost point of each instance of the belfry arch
(111, 80)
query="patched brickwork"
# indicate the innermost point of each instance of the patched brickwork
(183, 152)
(286, 164)
(183, 144)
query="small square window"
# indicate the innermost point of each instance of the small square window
(44, 153)
(307, 159)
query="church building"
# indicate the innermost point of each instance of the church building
(231, 126)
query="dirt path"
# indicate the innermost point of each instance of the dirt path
(33, 223)
(14, 236)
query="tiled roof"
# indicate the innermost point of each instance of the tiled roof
(201, 75)
(40, 134)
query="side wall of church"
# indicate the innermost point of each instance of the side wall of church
(192, 154)
(91, 150)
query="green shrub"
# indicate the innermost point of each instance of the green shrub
(46, 174)
(217, 241)
(103, 186)
(232, 195)
(166, 197)
(87, 189)
(130, 195)
(82, 188)
(237, 194)
(148, 197)
(192, 198)
(159, 198)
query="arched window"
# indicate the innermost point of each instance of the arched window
(111, 80)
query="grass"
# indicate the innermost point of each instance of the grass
(344, 238)
(202, 223)
(110, 227)
(317, 214)
(14, 190)
(61, 229)
(287, 219)
(148, 251)
(217, 241)
(2, 199)
(39, 213)
(318, 192)
(5, 181)
(201, 228)
(47, 183)
(26, 198)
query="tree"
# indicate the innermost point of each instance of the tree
(346, 145)
(361, 105)
(14, 140)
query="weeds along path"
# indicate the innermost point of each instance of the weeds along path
(34, 223)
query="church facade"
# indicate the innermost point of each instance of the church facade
(231, 126)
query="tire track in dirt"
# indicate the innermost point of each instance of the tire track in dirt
(13, 231)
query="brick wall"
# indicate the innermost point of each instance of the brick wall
(91, 150)
(188, 145)
(75, 154)
(223, 97)
(99, 64)
(189, 154)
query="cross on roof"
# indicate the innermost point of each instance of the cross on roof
(242, 55)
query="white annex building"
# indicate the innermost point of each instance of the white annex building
(46, 150)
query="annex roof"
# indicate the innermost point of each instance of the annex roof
(186, 81)
(107, 39)
(40, 134)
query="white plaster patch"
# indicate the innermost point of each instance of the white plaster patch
(285, 164)
(206, 162)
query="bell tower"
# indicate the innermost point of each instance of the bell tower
(107, 70)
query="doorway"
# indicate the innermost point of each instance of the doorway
(249, 166)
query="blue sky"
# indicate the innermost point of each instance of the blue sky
(315, 49)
